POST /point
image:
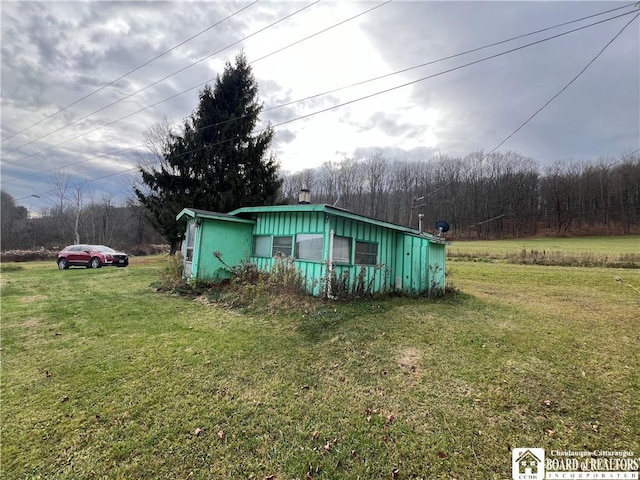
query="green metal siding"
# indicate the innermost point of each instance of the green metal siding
(378, 276)
(232, 239)
(291, 223)
(419, 264)
(417, 261)
(408, 261)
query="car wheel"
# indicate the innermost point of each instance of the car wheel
(95, 262)
(63, 264)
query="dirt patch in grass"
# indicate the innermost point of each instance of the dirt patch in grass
(30, 323)
(33, 298)
(409, 359)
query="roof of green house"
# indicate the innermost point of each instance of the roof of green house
(331, 210)
(195, 213)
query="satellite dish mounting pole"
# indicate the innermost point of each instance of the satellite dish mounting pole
(414, 206)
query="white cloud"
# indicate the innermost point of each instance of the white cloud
(53, 53)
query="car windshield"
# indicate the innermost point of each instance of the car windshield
(102, 248)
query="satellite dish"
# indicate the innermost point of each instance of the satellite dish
(442, 227)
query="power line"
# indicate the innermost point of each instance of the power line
(131, 71)
(161, 80)
(546, 104)
(473, 50)
(197, 86)
(467, 223)
(321, 32)
(403, 85)
(323, 93)
(330, 91)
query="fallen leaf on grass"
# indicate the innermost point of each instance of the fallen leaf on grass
(221, 434)
(395, 472)
(443, 455)
(65, 398)
(197, 431)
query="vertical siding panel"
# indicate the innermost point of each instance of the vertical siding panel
(287, 230)
(417, 270)
(297, 224)
(263, 224)
(270, 223)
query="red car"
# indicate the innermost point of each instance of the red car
(91, 256)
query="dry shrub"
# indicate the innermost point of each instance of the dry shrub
(280, 289)
(148, 249)
(558, 259)
(585, 259)
(28, 255)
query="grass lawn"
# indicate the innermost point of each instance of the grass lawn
(613, 245)
(102, 377)
(618, 251)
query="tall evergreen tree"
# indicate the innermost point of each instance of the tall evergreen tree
(217, 162)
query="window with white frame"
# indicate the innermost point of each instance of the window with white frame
(191, 238)
(282, 245)
(341, 250)
(262, 245)
(366, 253)
(309, 246)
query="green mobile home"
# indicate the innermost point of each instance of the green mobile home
(323, 241)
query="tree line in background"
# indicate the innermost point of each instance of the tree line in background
(216, 160)
(104, 222)
(501, 195)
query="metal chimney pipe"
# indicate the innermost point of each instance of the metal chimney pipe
(420, 219)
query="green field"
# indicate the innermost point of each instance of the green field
(103, 377)
(614, 245)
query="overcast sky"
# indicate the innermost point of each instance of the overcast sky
(55, 53)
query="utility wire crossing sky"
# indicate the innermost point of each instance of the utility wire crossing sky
(81, 83)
